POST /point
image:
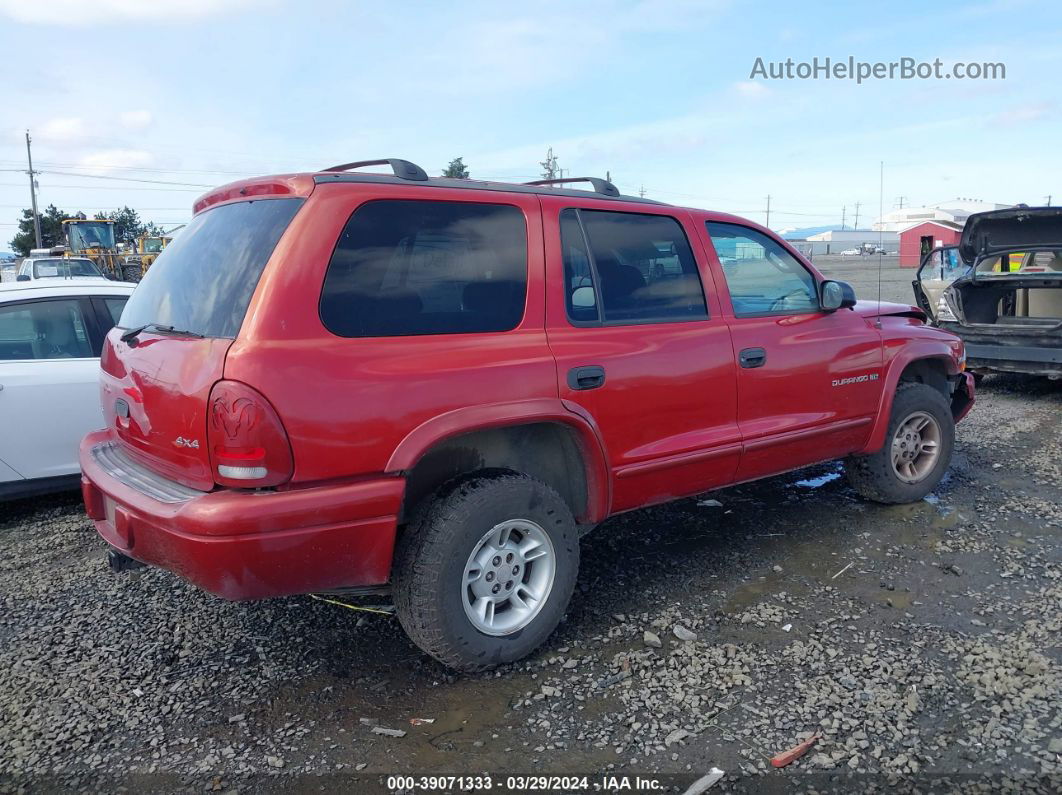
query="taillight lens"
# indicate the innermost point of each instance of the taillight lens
(248, 445)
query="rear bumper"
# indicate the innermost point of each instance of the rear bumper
(239, 544)
(1034, 359)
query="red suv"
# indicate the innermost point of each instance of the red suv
(344, 382)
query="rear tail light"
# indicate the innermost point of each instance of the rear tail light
(248, 444)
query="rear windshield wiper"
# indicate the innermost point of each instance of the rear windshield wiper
(131, 335)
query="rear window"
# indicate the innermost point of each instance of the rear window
(203, 281)
(405, 267)
(64, 268)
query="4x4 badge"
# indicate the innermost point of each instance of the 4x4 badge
(180, 441)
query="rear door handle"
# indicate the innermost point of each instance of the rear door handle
(752, 357)
(586, 377)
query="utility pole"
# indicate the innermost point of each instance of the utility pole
(549, 165)
(1049, 200)
(855, 226)
(641, 191)
(33, 193)
(768, 224)
(844, 213)
(899, 201)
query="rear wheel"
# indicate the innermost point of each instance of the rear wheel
(484, 573)
(131, 273)
(917, 450)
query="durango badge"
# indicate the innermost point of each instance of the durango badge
(855, 379)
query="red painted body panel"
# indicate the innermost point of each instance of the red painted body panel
(667, 408)
(165, 382)
(248, 545)
(676, 415)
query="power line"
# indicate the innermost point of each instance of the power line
(107, 187)
(127, 179)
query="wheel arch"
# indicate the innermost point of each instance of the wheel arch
(544, 439)
(927, 362)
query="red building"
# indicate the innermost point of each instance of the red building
(916, 240)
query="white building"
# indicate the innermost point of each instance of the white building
(955, 211)
(835, 241)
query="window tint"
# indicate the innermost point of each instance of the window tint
(425, 267)
(114, 305)
(44, 330)
(203, 281)
(763, 278)
(579, 290)
(643, 265)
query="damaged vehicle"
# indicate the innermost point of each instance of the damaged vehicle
(1008, 307)
(939, 268)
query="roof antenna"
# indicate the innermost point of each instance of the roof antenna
(881, 234)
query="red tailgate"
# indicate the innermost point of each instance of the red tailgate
(155, 396)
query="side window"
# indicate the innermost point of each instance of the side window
(579, 290)
(406, 267)
(763, 278)
(115, 305)
(641, 266)
(43, 330)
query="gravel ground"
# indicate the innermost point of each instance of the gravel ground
(921, 642)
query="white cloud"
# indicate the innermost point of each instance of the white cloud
(751, 88)
(136, 119)
(63, 130)
(106, 161)
(1023, 114)
(76, 13)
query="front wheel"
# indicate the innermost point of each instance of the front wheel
(484, 573)
(917, 450)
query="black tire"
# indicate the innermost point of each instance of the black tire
(430, 561)
(131, 273)
(874, 477)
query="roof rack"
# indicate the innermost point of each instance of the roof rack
(402, 169)
(602, 186)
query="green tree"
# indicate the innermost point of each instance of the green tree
(457, 169)
(51, 230)
(127, 224)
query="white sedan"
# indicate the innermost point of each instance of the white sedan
(51, 335)
(58, 268)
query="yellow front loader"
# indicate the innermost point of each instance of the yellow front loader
(95, 239)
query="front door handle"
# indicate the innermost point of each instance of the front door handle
(586, 377)
(752, 357)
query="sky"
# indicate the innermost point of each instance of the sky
(149, 104)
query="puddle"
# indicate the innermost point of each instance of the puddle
(819, 482)
(934, 500)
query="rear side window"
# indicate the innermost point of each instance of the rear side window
(404, 267)
(203, 281)
(641, 270)
(50, 329)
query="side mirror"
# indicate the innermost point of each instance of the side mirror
(22, 277)
(836, 295)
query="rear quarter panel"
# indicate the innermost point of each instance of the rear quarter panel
(348, 404)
